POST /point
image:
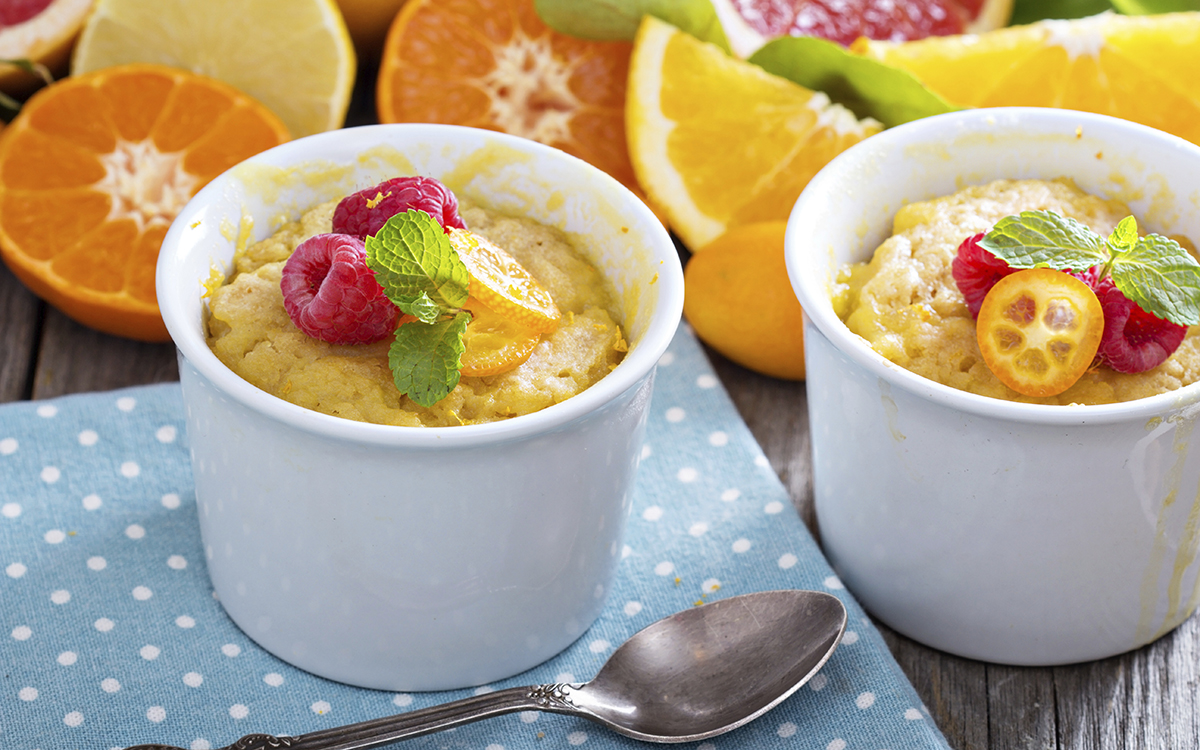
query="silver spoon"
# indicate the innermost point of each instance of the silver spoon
(687, 677)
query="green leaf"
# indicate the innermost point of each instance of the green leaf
(1125, 236)
(1150, 7)
(1162, 278)
(1029, 11)
(422, 308)
(1045, 239)
(425, 359)
(613, 20)
(866, 87)
(412, 258)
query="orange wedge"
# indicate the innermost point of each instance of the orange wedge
(500, 282)
(92, 172)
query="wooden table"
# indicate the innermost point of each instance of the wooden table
(1146, 699)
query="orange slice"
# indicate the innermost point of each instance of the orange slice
(1039, 330)
(503, 284)
(92, 172)
(494, 64)
(494, 343)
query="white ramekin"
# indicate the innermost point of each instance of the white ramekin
(405, 558)
(1007, 532)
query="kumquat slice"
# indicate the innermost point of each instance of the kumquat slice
(1039, 330)
(494, 343)
(503, 284)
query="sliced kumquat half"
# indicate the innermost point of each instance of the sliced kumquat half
(493, 343)
(1039, 330)
(499, 281)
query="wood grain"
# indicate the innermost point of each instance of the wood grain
(20, 319)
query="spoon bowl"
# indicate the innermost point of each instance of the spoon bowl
(693, 675)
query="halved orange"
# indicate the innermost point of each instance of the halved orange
(494, 64)
(499, 281)
(92, 172)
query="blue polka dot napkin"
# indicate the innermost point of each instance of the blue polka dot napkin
(110, 635)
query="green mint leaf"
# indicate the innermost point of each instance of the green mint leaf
(1125, 236)
(1035, 239)
(425, 359)
(1162, 278)
(614, 20)
(411, 256)
(422, 308)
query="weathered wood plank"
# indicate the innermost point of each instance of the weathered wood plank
(1021, 708)
(73, 359)
(20, 314)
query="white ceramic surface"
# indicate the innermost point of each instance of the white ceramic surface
(1012, 533)
(403, 558)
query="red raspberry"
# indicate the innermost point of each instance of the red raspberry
(976, 271)
(330, 294)
(363, 213)
(1134, 340)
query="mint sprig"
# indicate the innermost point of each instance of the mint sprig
(1153, 271)
(422, 274)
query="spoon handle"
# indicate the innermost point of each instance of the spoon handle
(383, 731)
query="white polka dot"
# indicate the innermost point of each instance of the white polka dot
(274, 679)
(761, 462)
(667, 359)
(135, 531)
(62, 596)
(528, 717)
(22, 633)
(838, 744)
(402, 700)
(51, 474)
(706, 381)
(165, 434)
(676, 414)
(92, 502)
(176, 562)
(865, 700)
(653, 513)
(54, 536)
(142, 593)
(73, 719)
(126, 403)
(626, 551)
(8, 446)
(687, 474)
(599, 646)
(130, 469)
(67, 658)
(16, 570)
(773, 508)
(484, 690)
(88, 438)
(664, 568)
(321, 707)
(849, 638)
(47, 410)
(564, 677)
(27, 694)
(786, 729)
(103, 624)
(201, 744)
(494, 746)
(818, 682)
(238, 711)
(718, 439)
(156, 713)
(698, 529)
(576, 738)
(109, 685)
(730, 495)
(184, 621)
(194, 679)
(741, 545)
(10, 510)
(647, 451)
(170, 501)
(632, 608)
(912, 714)
(149, 653)
(835, 583)
(231, 649)
(787, 560)
(711, 585)
(97, 563)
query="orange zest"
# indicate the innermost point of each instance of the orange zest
(1039, 330)
(503, 284)
(93, 170)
